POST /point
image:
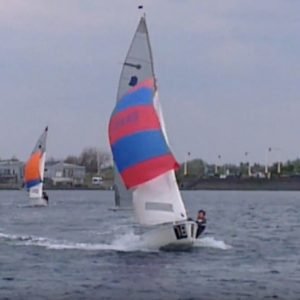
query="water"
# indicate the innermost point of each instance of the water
(78, 249)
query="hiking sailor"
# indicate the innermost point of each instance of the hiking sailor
(201, 221)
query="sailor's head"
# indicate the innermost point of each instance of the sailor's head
(201, 213)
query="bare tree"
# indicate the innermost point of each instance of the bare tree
(93, 159)
(51, 160)
(72, 159)
(104, 159)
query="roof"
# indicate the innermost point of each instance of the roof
(9, 162)
(63, 164)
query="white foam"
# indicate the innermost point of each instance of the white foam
(64, 245)
(131, 242)
(127, 242)
(211, 242)
(11, 236)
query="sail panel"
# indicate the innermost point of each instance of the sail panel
(159, 201)
(140, 97)
(159, 206)
(33, 183)
(32, 170)
(132, 121)
(141, 94)
(138, 65)
(147, 170)
(41, 142)
(139, 148)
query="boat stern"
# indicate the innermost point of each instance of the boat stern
(172, 237)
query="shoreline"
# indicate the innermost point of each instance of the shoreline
(243, 184)
(226, 184)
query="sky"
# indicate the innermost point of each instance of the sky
(228, 74)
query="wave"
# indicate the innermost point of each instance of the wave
(211, 242)
(128, 242)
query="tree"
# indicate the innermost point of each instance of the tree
(195, 168)
(51, 160)
(93, 159)
(104, 159)
(14, 158)
(72, 159)
(288, 168)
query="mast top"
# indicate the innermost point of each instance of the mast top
(141, 7)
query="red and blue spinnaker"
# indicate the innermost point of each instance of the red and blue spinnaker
(138, 144)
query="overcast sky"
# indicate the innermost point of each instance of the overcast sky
(228, 73)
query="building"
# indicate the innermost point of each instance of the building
(61, 173)
(11, 171)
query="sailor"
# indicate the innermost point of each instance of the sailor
(201, 221)
(45, 196)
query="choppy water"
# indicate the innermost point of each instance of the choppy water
(78, 249)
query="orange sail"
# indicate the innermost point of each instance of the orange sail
(32, 170)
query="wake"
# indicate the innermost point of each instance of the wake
(211, 242)
(128, 242)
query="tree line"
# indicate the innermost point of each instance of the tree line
(94, 160)
(200, 168)
(91, 158)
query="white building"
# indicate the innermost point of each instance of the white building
(65, 174)
(11, 171)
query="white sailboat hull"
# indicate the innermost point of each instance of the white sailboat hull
(37, 202)
(177, 236)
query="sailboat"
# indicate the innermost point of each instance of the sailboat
(34, 172)
(142, 154)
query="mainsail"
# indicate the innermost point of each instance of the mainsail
(138, 62)
(34, 168)
(138, 139)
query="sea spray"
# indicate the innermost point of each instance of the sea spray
(211, 242)
(126, 242)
